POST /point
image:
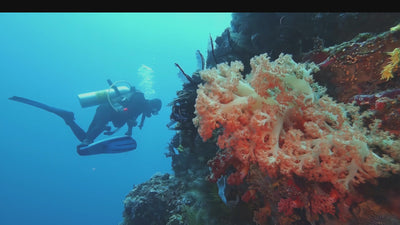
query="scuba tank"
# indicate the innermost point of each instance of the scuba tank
(114, 95)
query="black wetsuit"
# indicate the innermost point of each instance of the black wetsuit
(105, 113)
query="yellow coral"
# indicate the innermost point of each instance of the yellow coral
(395, 28)
(387, 72)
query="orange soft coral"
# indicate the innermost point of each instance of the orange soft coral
(279, 119)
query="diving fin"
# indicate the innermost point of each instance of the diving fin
(110, 145)
(66, 115)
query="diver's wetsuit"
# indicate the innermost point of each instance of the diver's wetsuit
(105, 113)
(136, 105)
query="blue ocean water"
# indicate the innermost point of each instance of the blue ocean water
(53, 57)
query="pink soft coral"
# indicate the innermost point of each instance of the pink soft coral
(322, 203)
(288, 205)
(281, 120)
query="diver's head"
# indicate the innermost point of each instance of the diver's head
(155, 106)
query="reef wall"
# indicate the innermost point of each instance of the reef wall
(297, 124)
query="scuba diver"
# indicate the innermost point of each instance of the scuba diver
(119, 105)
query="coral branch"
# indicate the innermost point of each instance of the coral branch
(183, 73)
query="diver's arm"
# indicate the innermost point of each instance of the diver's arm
(142, 121)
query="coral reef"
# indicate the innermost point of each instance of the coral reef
(152, 194)
(274, 119)
(252, 34)
(353, 70)
(355, 67)
(301, 140)
(165, 199)
(279, 120)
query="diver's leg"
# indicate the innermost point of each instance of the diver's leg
(98, 125)
(99, 122)
(67, 116)
(70, 121)
(77, 130)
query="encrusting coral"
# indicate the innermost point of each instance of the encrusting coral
(280, 120)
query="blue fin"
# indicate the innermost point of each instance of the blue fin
(110, 145)
(66, 115)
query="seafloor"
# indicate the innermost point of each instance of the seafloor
(310, 138)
